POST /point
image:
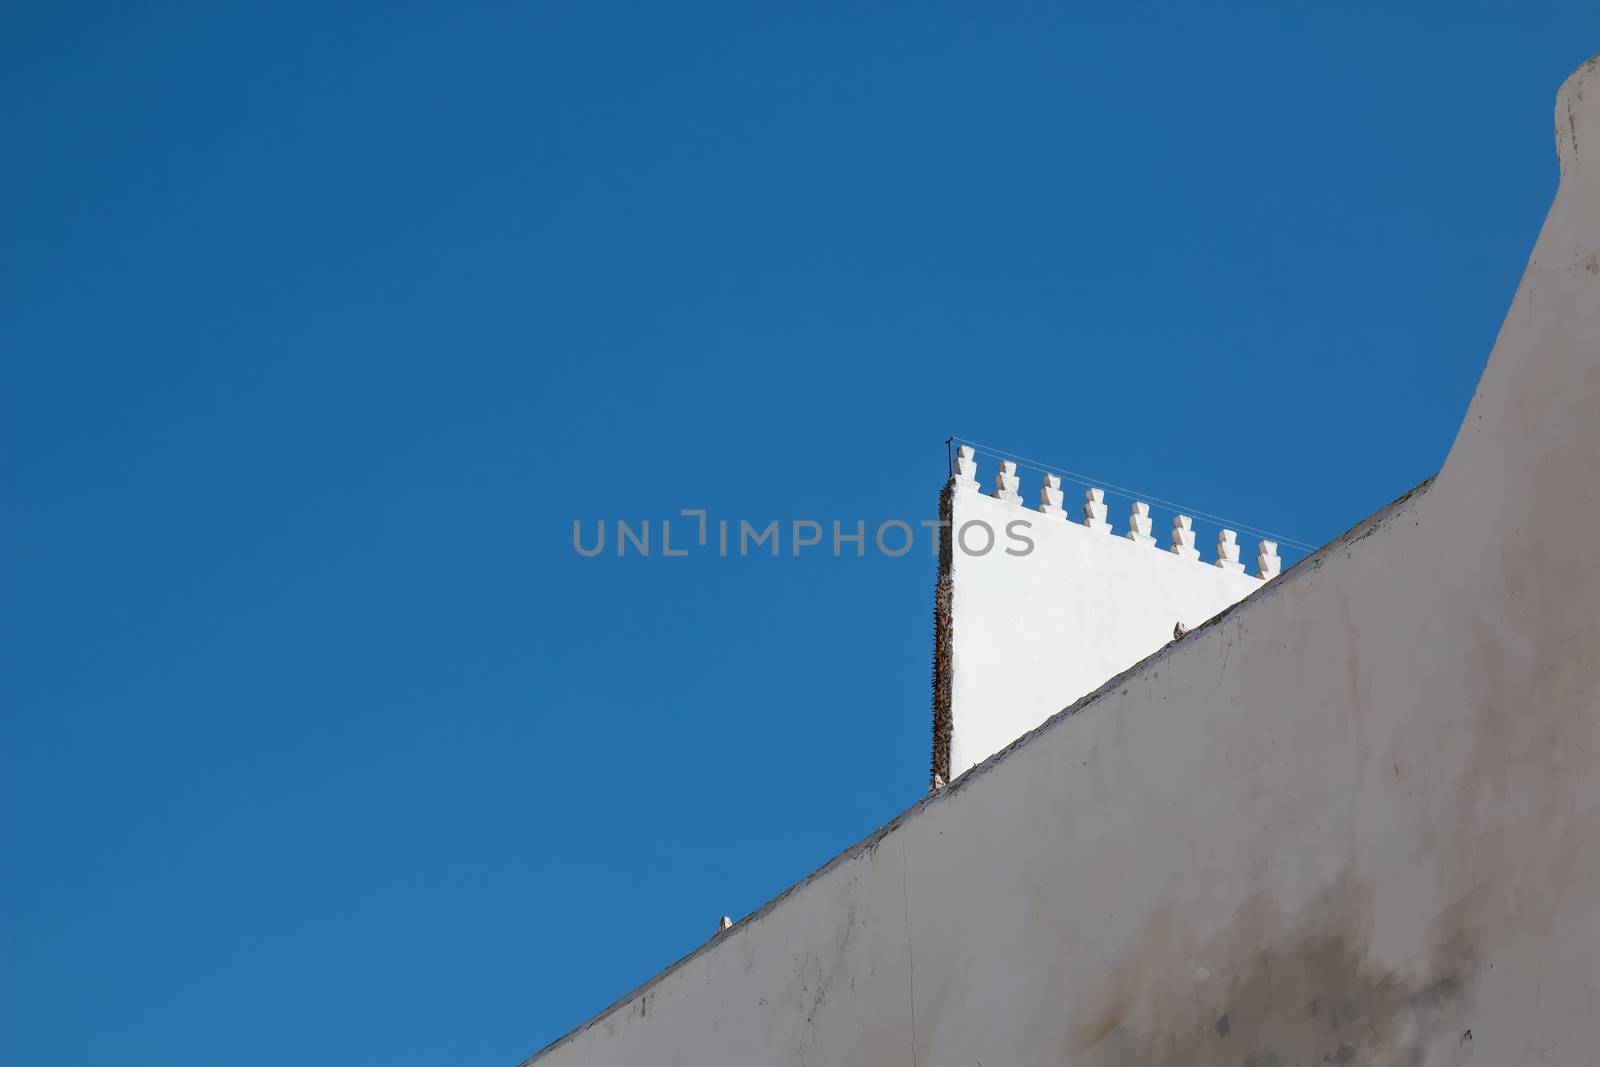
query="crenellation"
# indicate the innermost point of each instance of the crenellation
(1140, 524)
(966, 472)
(1006, 484)
(1050, 497)
(1141, 527)
(1228, 551)
(1183, 538)
(1267, 561)
(1094, 510)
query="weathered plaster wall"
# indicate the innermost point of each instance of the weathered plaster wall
(1033, 631)
(1355, 819)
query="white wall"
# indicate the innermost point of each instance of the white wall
(1355, 819)
(1032, 633)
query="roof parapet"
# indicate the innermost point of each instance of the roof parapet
(1181, 540)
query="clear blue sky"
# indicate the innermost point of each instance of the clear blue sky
(319, 326)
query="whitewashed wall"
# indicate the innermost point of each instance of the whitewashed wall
(1353, 820)
(1037, 623)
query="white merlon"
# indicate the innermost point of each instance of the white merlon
(1228, 551)
(1183, 537)
(966, 473)
(1005, 484)
(1050, 497)
(1094, 510)
(1140, 524)
(1267, 561)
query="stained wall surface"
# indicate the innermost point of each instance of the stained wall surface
(1355, 819)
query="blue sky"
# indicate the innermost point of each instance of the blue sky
(318, 742)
